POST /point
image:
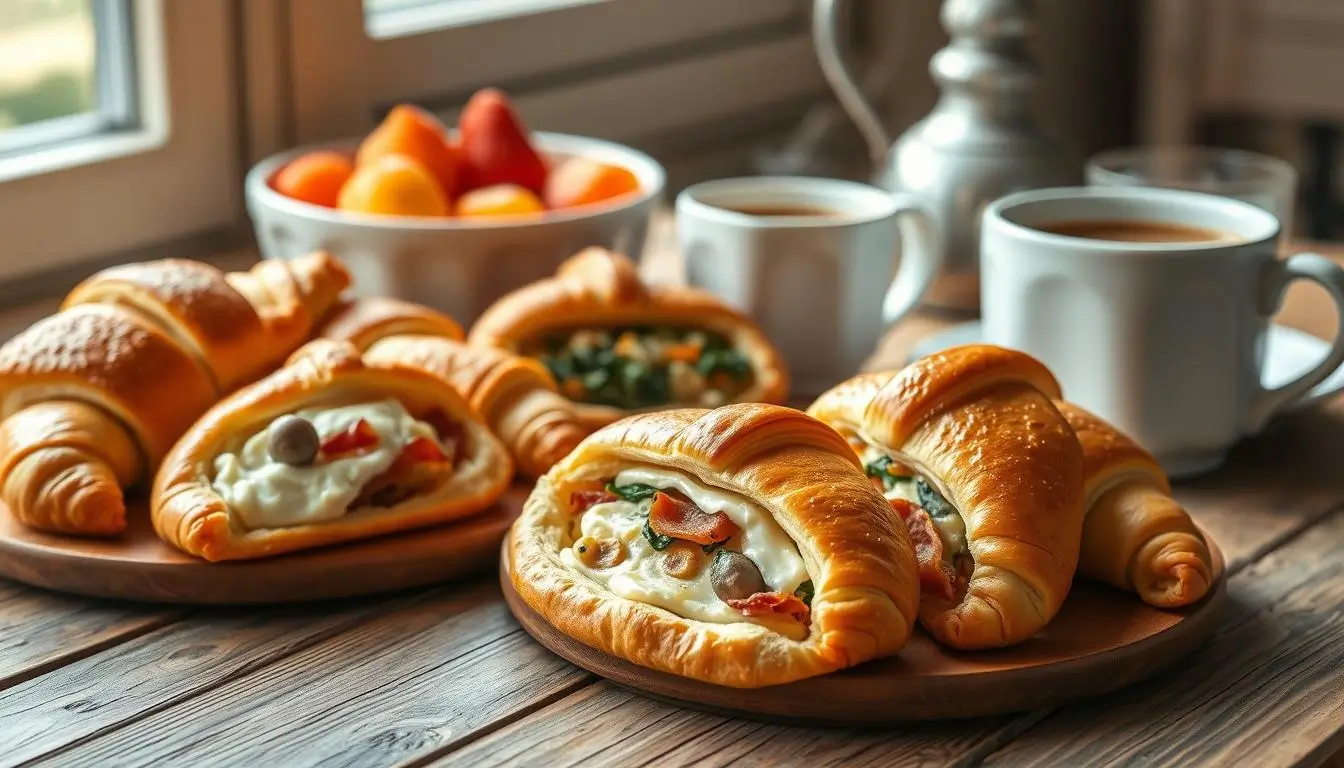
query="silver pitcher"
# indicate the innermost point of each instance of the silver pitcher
(978, 143)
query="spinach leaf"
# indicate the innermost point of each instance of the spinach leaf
(560, 365)
(635, 492)
(656, 540)
(728, 361)
(881, 469)
(931, 500)
(806, 592)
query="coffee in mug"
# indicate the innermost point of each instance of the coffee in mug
(1164, 338)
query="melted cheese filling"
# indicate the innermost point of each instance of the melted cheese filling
(951, 528)
(641, 577)
(264, 493)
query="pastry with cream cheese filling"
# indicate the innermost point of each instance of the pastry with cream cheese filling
(1135, 536)
(327, 449)
(618, 346)
(740, 546)
(987, 475)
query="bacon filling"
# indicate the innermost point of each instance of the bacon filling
(583, 500)
(680, 518)
(766, 603)
(357, 437)
(936, 576)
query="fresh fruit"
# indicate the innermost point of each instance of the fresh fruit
(316, 177)
(414, 133)
(495, 146)
(394, 185)
(580, 181)
(499, 200)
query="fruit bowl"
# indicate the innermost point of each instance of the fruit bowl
(456, 265)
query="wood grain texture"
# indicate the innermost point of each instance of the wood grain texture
(40, 630)
(139, 566)
(606, 725)
(1268, 689)
(1101, 639)
(414, 680)
(118, 685)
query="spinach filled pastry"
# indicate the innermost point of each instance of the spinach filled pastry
(973, 455)
(327, 449)
(1135, 536)
(617, 346)
(740, 546)
(515, 395)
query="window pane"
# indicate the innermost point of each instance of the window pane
(47, 60)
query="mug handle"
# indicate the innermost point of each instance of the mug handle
(1327, 274)
(921, 259)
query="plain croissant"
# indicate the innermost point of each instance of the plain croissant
(1135, 536)
(94, 396)
(516, 396)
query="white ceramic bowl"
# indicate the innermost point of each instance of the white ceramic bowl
(456, 266)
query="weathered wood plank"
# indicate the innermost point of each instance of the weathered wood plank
(1268, 689)
(153, 671)
(381, 693)
(605, 725)
(40, 630)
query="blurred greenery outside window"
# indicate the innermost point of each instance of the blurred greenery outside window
(48, 61)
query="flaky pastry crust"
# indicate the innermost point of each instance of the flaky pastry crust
(979, 423)
(190, 515)
(1135, 536)
(803, 474)
(597, 288)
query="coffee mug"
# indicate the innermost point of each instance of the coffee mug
(812, 261)
(1152, 307)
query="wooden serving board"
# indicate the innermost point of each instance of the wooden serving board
(1101, 640)
(138, 566)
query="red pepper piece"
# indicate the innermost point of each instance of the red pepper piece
(355, 438)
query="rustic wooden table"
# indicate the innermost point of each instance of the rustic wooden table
(444, 676)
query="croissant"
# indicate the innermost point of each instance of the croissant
(739, 546)
(93, 397)
(617, 346)
(325, 450)
(515, 395)
(1135, 536)
(988, 476)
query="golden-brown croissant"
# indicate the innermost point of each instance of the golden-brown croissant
(93, 397)
(1135, 536)
(740, 546)
(515, 395)
(987, 474)
(325, 450)
(618, 346)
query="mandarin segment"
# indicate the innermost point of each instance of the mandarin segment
(315, 177)
(499, 200)
(393, 185)
(410, 131)
(580, 181)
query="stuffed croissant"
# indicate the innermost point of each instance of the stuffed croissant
(1135, 536)
(95, 395)
(973, 455)
(325, 450)
(515, 395)
(617, 346)
(740, 546)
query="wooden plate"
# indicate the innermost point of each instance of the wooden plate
(1101, 640)
(138, 566)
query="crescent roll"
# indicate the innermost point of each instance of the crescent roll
(740, 546)
(1135, 536)
(92, 398)
(617, 346)
(325, 450)
(971, 452)
(515, 395)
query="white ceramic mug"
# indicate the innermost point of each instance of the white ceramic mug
(823, 287)
(1165, 340)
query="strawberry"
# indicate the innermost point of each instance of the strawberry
(495, 145)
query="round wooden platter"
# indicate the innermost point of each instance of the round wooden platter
(138, 566)
(1101, 640)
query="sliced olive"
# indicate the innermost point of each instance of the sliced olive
(735, 577)
(293, 440)
(600, 553)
